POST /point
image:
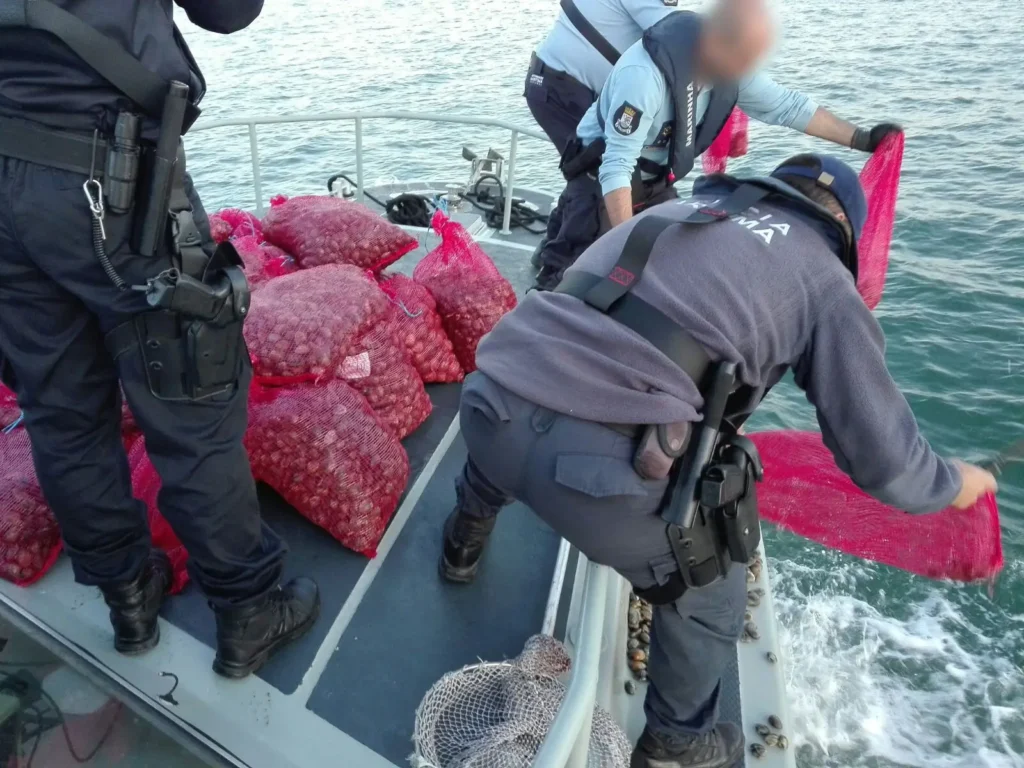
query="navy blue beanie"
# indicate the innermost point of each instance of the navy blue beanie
(835, 176)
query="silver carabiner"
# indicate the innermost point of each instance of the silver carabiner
(95, 200)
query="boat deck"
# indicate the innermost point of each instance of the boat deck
(346, 694)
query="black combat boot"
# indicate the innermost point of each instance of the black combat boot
(464, 540)
(247, 636)
(718, 748)
(135, 605)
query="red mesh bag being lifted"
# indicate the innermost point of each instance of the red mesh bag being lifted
(146, 487)
(29, 537)
(232, 223)
(470, 292)
(263, 261)
(880, 178)
(419, 327)
(9, 410)
(325, 230)
(731, 141)
(329, 456)
(332, 322)
(806, 493)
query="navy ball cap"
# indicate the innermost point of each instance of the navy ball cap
(837, 177)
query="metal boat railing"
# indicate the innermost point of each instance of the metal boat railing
(358, 118)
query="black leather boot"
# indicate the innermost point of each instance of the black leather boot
(718, 748)
(547, 279)
(465, 538)
(135, 606)
(249, 635)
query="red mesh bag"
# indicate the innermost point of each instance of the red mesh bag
(9, 410)
(880, 178)
(219, 229)
(470, 292)
(419, 327)
(332, 322)
(263, 261)
(146, 487)
(329, 456)
(806, 493)
(731, 142)
(325, 230)
(237, 223)
(29, 537)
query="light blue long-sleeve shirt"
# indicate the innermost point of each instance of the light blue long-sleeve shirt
(620, 22)
(637, 109)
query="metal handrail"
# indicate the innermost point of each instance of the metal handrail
(568, 739)
(358, 118)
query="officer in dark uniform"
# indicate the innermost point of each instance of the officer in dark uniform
(612, 406)
(108, 279)
(664, 103)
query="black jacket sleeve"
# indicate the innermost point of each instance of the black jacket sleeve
(223, 16)
(865, 421)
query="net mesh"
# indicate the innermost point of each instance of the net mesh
(471, 294)
(880, 178)
(9, 410)
(496, 715)
(731, 141)
(805, 492)
(326, 230)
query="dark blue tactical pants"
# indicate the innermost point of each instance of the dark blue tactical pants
(584, 219)
(578, 477)
(558, 103)
(56, 305)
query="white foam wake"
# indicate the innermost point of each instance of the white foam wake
(883, 681)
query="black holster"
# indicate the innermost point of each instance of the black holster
(191, 344)
(578, 159)
(725, 529)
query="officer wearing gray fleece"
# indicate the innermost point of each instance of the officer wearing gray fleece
(764, 289)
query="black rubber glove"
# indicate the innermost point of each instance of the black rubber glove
(868, 140)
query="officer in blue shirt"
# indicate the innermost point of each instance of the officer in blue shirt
(571, 65)
(634, 142)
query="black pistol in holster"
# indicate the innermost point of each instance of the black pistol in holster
(578, 159)
(710, 509)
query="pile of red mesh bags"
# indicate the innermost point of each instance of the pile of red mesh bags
(731, 141)
(9, 410)
(319, 230)
(419, 327)
(880, 178)
(263, 261)
(29, 537)
(805, 492)
(328, 454)
(333, 322)
(470, 292)
(146, 487)
(233, 223)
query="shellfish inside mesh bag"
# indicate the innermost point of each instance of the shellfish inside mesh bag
(262, 261)
(327, 453)
(333, 322)
(235, 223)
(419, 328)
(320, 230)
(496, 715)
(9, 410)
(29, 537)
(471, 294)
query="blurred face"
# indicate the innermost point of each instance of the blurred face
(737, 36)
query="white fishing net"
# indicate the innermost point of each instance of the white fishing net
(496, 715)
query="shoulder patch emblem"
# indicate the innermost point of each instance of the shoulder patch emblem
(626, 119)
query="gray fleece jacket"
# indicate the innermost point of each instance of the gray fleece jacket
(763, 290)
